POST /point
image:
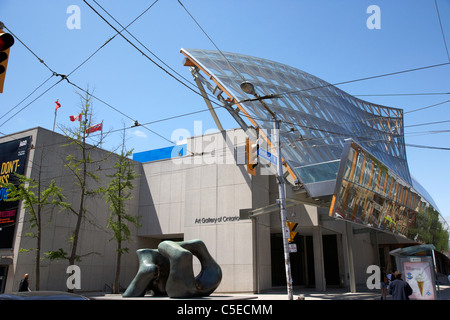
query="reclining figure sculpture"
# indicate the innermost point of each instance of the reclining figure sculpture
(168, 271)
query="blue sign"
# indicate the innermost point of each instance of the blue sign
(267, 155)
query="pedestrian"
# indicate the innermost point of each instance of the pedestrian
(384, 282)
(24, 283)
(390, 277)
(400, 289)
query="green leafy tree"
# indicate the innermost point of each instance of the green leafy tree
(84, 170)
(117, 193)
(35, 199)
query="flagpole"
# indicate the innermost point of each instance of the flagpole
(101, 135)
(56, 111)
(54, 120)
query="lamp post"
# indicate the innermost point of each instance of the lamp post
(248, 88)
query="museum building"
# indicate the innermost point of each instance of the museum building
(347, 186)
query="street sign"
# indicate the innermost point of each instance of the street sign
(292, 247)
(267, 155)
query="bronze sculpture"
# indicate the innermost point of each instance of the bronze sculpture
(168, 270)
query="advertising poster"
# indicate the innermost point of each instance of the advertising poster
(13, 159)
(419, 275)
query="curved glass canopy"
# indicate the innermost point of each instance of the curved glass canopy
(333, 145)
(316, 117)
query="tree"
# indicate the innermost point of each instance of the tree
(117, 193)
(34, 203)
(84, 169)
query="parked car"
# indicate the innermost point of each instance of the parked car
(42, 295)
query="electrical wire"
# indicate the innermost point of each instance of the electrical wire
(426, 123)
(26, 106)
(119, 32)
(442, 30)
(400, 94)
(32, 52)
(63, 77)
(211, 40)
(344, 82)
(143, 45)
(426, 147)
(427, 107)
(138, 49)
(366, 78)
(31, 93)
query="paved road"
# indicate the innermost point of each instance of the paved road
(308, 294)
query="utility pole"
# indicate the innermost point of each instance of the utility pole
(248, 87)
(282, 203)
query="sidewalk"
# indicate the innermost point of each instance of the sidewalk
(341, 294)
(280, 294)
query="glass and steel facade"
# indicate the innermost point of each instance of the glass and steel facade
(370, 193)
(333, 144)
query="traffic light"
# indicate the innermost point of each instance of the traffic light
(6, 41)
(292, 233)
(252, 156)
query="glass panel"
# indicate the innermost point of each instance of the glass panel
(388, 204)
(310, 110)
(323, 117)
(319, 172)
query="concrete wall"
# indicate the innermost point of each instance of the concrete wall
(199, 196)
(98, 263)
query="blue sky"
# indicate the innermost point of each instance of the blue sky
(329, 39)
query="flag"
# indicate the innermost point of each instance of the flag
(94, 128)
(74, 118)
(58, 105)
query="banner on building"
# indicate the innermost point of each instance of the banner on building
(13, 159)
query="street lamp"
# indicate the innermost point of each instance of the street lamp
(248, 88)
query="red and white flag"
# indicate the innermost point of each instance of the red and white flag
(75, 118)
(94, 128)
(58, 105)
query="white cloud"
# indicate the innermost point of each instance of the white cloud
(140, 134)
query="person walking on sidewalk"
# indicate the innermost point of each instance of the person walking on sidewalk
(399, 289)
(384, 281)
(24, 283)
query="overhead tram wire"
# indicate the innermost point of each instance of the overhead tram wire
(142, 52)
(426, 124)
(117, 32)
(426, 147)
(196, 92)
(270, 96)
(143, 45)
(344, 82)
(335, 84)
(211, 40)
(427, 107)
(52, 71)
(359, 79)
(442, 30)
(65, 77)
(401, 94)
(29, 95)
(117, 110)
(32, 52)
(26, 106)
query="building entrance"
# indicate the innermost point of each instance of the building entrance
(3, 273)
(302, 261)
(331, 260)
